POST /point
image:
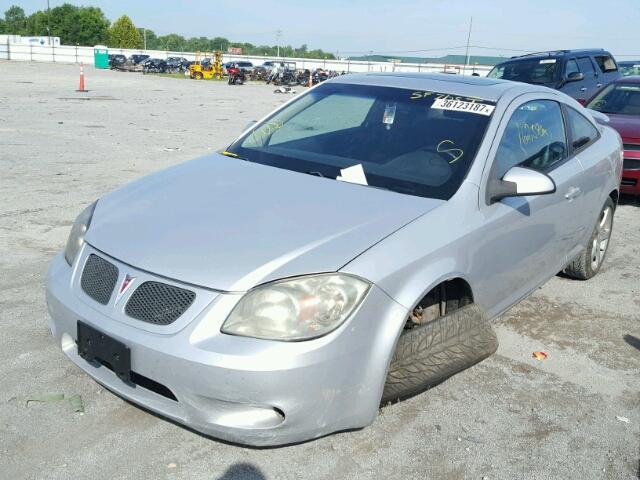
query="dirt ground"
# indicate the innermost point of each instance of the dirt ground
(575, 415)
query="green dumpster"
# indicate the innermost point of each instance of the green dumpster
(100, 56)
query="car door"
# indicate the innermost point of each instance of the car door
(526, 240)
(588, 86)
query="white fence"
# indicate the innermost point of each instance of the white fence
(77, 54)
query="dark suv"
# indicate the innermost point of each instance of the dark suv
(578, 73)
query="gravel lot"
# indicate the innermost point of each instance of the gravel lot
(574, 416)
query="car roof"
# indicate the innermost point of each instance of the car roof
(635, 79)
(559, 53)
(491, 89)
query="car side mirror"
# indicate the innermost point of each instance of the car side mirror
(249, 125)
(575, 77)
(520, 182)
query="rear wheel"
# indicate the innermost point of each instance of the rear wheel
(588, 263)
(197, 75)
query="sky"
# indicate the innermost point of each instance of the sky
(401, 27)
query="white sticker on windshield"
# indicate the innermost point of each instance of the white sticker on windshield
(461, 106)
(353, 174)
(548, 60)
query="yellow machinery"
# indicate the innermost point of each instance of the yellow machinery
(206, 67)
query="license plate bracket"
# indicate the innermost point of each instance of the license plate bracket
(95, 346)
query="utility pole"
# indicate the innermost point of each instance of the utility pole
(144, 34)
(278, 35)
(49, 22)
(466, 55)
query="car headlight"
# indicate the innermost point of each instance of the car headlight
(76, 236)
(300, 308)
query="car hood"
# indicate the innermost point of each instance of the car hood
(628, 126)
(229, 224)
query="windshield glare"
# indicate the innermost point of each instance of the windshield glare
(414, 142)
(537, 71)
(620, 98)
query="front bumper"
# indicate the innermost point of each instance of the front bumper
(244, 390)
(630, 183)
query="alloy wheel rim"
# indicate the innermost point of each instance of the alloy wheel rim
(601, 239)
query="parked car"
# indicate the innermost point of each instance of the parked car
(578, 73)
(116, 60)
(176, 64)
(154, 65)
(620, 101)
(137, 59)
(384, 220)
(629, 68)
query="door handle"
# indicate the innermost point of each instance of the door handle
(572, 193)
(583, 89)
(598, 85)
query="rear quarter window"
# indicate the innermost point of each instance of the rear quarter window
(606, 63)
(582, 131)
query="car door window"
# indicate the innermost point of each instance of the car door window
(572, 66)
(534, 137)
(586, 67)
(606, 63)
(583, 132)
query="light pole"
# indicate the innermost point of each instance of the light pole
(144, 34)
(466, 55)
(278, 35)
(49, 22)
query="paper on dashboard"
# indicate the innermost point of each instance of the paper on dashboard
(354, 174)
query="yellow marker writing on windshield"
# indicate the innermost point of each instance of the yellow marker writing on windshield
(455, 153)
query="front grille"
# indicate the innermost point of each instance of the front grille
(631, 147)
(631, 164)
(99, 278)
(159, 303)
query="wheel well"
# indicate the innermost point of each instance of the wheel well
(442, 299)
(614, 197)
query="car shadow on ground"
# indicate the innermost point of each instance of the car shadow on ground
(632, 340)
(243, 471)
(626, 199)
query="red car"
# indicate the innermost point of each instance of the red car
(620, 101)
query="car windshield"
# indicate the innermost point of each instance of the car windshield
(538, 71)
(620, 98)
(414, 142)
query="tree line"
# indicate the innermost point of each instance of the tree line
(89, 26)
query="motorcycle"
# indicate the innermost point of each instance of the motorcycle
(285, 78)
(236, 76)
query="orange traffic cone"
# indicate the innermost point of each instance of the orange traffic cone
(81, 89)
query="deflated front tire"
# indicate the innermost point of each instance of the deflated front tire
(430, 353)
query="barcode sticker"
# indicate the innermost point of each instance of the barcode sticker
(462, 106)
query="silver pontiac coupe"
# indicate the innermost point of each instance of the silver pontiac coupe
(349, 249)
